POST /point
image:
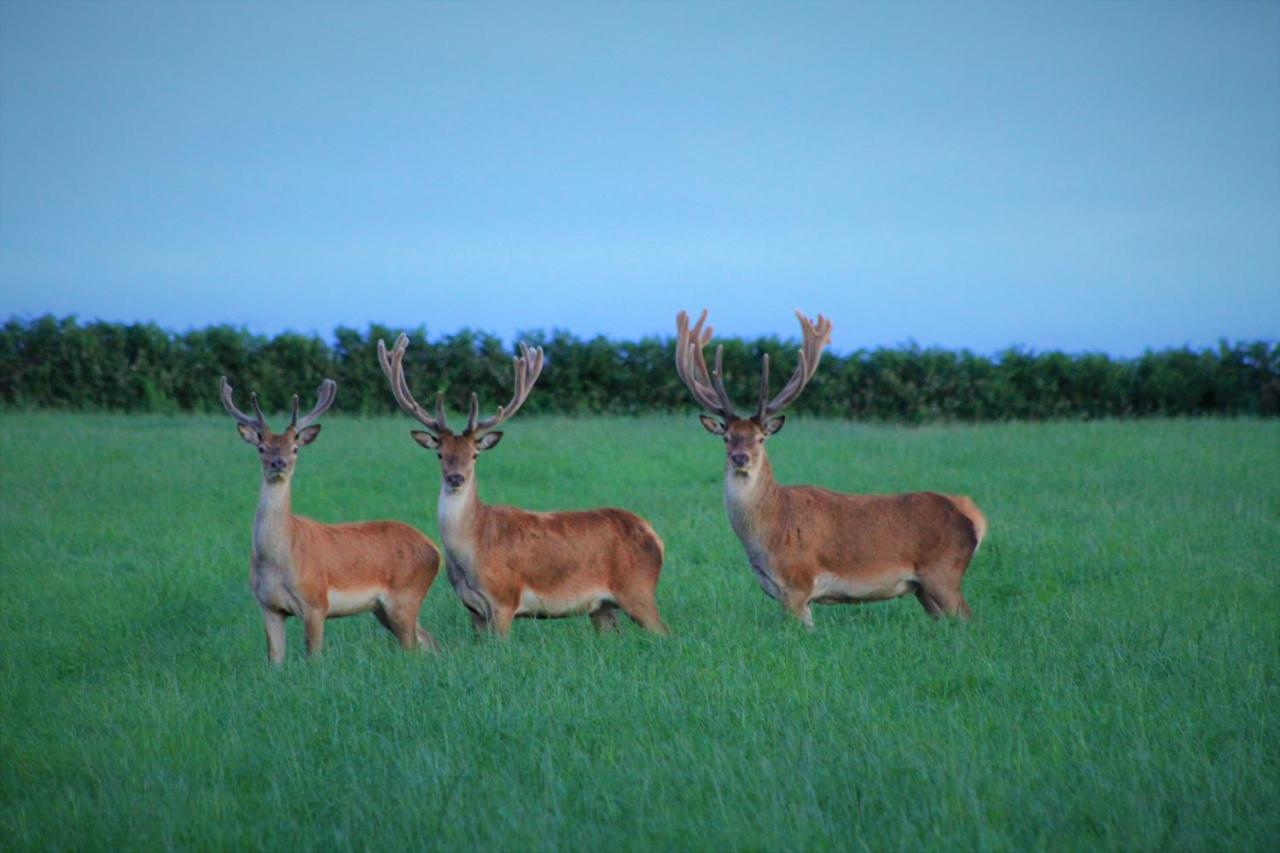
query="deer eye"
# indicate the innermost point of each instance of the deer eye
(439, 455)
(475, 455)
(261, 449)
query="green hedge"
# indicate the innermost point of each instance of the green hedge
(62, 364)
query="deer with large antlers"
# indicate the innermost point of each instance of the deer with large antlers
(809, 545)
(506, 562)
(318, 571)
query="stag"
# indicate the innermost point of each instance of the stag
(506, 562)
(808, 545)
(319, 571)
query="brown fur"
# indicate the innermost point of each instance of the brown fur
(317, 571)
(869, 547)
(506, 562)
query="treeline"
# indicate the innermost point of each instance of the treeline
(63, 364)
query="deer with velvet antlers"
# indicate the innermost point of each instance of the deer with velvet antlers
(809, 545)
(506, 562)
(318, 571)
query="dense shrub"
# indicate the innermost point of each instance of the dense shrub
(61, 364)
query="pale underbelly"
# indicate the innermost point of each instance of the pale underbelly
(348, 602)
(557, 604)
(835, 589)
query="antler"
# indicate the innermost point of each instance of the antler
(708, 391)
(526, 366)
(225, 391)
(393, 367)
(816, 336)
(325, 395)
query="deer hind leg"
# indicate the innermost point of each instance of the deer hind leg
(941, 587)
(643, 610)
(401, 619)
(273, 620)
(605, 618)
(926, 601)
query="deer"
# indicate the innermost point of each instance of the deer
(808, 545)
(506, 563)
(315, 571)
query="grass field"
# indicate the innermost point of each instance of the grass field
(1119, 686)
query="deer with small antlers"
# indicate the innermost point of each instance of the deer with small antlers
(319, 571)
(506, 562)
(809, 545)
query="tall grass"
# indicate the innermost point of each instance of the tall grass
(1117, 688)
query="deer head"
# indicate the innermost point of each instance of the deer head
(743, 437)
(458, 452)
(278, 451)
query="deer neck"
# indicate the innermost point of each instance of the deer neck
(458, 511)
(747, 497)
(271, 522)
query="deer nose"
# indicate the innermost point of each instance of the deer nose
(738, 459)
(278, 464)
(455, 480)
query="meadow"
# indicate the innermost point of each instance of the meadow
(1118, 687)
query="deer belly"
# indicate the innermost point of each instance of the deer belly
(346, 602)
(560, 603)
(834, 589)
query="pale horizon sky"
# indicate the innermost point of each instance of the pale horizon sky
(1076, 176)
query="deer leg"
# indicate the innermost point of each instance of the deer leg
(401, 619)
(605, 618)
(500, 620)
(797, 604)
(313, 631)
(644, 611)
(942, 585)
(926, 601)
(274, 622)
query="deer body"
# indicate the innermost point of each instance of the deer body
(810, 545)
(505, 562)
(315, 571)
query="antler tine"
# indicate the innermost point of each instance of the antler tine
(226, 392)
(325, 395)
(691, 366)
(257, 410)
(816, 336)
(717, 378)
(472, 414)
(527, 367)
(393, 367)
(762, 405)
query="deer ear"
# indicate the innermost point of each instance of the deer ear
(307, 435)
(774, 425)
(711, 425)
(249, 434)
(488, 441)
(426, 439)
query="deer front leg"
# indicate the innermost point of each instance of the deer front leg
(500, 619)
(273, 620)
(313, 626)
(796, 601)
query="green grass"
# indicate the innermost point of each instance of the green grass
(1118, 686)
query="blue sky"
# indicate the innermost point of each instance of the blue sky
(1094, 176)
